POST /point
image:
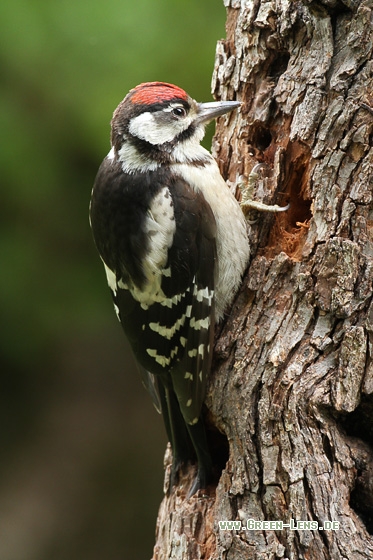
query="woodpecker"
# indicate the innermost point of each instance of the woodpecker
(174, 245)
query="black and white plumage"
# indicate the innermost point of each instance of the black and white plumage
(174, 244)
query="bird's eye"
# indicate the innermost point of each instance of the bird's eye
(179, 112)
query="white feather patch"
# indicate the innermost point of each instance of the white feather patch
(111, 154)
(191, 150)
(162, 360)
(200, 324)
(132, 160)
(152, 128)
(168, 332)
(111, 279)
(160, 228)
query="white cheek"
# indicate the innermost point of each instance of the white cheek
(146, 127)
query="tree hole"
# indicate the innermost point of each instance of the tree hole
(219, 449)
(261, 138)
(359, 425)
(279, 64)
(290, 228)
(361, 499)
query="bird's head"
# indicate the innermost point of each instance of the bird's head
(159, 123)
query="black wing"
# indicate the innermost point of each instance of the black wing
(172, 337)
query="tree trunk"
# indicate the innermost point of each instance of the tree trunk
(292, 381)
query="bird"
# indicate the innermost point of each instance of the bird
(173, 241)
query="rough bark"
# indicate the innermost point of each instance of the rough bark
(292, 383)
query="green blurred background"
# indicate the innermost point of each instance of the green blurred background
(81, 447)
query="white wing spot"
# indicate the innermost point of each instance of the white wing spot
(200, 324)
(203, 293)
(111, 279)
(189, 402)
(174, 352)
(188, 376)
(162, 360)
(122, 285)
(116, 309)
(167, 332)
(169, 302)
(200, 350)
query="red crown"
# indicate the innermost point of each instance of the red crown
(156, 92)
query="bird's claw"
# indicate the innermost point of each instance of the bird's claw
(247, 190)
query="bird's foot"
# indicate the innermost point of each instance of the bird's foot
(247, 192)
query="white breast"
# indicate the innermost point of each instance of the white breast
(232, 243)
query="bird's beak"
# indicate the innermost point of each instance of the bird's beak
(209, 111)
